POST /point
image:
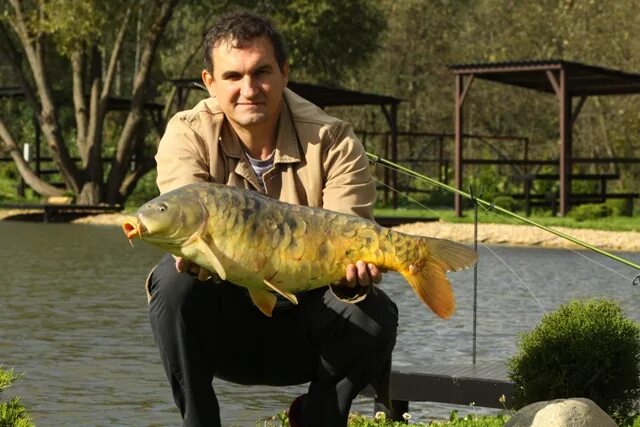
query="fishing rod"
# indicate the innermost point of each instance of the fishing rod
(490, 206)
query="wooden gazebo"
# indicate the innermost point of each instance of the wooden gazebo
(565, 79)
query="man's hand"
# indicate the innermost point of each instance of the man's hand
(361, 274)
(191, 268)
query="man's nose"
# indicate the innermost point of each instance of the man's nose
(249, 87)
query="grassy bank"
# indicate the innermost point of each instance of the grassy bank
(454, 420)
(611, 223)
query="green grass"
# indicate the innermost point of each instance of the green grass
(357, 420)
(471, 420)
(611, 223)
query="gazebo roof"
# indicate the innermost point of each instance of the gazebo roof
(322, 96)
(582, 79)
(114, 103)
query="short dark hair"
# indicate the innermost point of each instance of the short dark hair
(241, 27)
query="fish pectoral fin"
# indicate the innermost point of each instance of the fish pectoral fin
(264, 300)
(288, 295)
(204, 248)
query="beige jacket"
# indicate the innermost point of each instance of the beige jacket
(318, 161)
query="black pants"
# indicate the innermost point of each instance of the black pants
(205, 330)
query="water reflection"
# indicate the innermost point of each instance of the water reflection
(74, 318)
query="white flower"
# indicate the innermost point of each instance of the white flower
(406, 416)
(380, 416)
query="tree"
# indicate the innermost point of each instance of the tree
(73, 34)
(89, 48)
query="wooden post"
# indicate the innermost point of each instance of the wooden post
(461, 93)
(394, 151)
(565, 144)
(457, 156)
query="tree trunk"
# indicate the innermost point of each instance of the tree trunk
(126, 142)
(90, 194)
(29, 176)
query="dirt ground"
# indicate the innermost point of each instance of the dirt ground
(517, 235)
(525, 235)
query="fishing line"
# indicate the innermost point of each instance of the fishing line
(394, 166)
(482, 244)
(602, 265)
(519, 278)
(514, 222)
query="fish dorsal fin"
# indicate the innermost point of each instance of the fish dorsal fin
(288, 295)
(206, 250)
(264, 300)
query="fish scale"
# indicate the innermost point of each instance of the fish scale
(273, 247)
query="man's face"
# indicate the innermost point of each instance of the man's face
(247, 82)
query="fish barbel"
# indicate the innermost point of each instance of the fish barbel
(272, 247)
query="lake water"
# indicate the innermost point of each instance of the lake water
(73, 318)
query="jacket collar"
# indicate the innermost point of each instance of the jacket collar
(287, 147)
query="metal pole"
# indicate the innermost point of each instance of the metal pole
(565, 144)
(475, 275)
(457, 159)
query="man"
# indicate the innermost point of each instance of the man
(256, 134)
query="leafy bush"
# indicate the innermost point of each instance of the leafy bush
(590, 211)
(619, 207)
(12, 413)
(584, 349)
(507, 202)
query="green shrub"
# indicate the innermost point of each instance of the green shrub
(619, 207)
(590, 211)
(440, 197)
(507, 202)
(583, 349)
(12, 413)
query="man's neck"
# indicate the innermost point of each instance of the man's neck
(259, 140)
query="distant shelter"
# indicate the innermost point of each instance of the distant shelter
(567, 80)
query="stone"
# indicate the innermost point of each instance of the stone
(575, 412)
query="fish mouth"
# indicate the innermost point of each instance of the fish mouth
(133, 228)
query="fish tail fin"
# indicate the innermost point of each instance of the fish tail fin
(426, 273)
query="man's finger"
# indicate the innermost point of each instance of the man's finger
(374, 273)
(180, 264)
(204, 274)
(363, 274)
(351, 276)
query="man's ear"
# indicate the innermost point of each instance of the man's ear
(207, 79)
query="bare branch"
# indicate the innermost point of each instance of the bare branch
(97, 111)
(185, 66)
(131, 180)
(79, 104)
(32, 180)
(34, 51)
(115, 54)
(132, 123)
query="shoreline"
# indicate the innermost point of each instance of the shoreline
(493, 234)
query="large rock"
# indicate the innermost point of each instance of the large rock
(577, 412)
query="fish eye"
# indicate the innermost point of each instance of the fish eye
(162, 207)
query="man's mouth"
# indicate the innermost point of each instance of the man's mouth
(250, 104)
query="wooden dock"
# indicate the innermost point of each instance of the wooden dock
(481, 385)
(53, 212)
